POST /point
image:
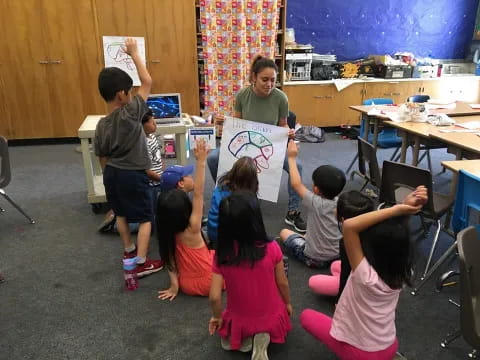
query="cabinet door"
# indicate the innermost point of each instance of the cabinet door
(398, 91)
(24, 69)
(74, 64)
(317, 105)
(172, 49)
(459, 89)
(352, 95)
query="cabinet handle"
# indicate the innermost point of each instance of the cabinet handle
(387, 94)
(423, 89)
(55, 61)
(419, 89)
(155, 61)
(396, 94)
(329, 97)
(43, 62)
(319, 97)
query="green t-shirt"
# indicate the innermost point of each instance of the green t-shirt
(267, 110)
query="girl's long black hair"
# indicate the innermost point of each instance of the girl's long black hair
(173, 216)
(387, 248)
(241, 232)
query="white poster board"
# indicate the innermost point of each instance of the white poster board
(115, 56)
(265, 144)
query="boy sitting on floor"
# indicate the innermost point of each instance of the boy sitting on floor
(319, 247)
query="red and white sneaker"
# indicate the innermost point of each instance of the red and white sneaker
(149, 267)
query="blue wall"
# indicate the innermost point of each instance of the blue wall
(353, 29)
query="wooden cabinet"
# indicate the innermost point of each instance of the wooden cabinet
(52, 52)
(323, 105)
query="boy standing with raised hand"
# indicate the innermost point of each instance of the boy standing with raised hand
(121, 145)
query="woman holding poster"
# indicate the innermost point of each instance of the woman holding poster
(263, 102)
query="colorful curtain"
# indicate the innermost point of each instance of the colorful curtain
(233, 32)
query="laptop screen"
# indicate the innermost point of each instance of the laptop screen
(165, 106)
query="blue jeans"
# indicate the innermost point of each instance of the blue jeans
(293, 198)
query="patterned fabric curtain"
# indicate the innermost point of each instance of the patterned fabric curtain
(233, 32)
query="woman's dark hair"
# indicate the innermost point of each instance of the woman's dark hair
(242, 176)
(387, 248)
(173, 215)
(241, 232)
(112, 80)
(259, 63)
(353, 203)
(147, 116)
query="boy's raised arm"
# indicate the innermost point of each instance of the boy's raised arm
(295, 179)
(145, 78)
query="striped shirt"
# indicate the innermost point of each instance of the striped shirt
(155, 156)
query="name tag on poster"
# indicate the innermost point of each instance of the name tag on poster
(206, 133)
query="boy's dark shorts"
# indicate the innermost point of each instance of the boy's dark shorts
(295, 243)
(129, 193)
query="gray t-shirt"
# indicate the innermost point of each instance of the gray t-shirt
(267, 110)
(120, 137)
(323, 236)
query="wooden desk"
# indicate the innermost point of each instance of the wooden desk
(471, 166)
(93, 170)
(461, 109)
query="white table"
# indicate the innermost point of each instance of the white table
(91, 163)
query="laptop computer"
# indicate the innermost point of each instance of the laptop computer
(167, 108)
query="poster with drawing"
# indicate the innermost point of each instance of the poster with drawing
(115, 56)
(265, 144)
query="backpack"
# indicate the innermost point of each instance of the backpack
(311, 134)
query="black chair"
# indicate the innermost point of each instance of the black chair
(468, 243)
(6, 176)
(398, 180)
(367, 156)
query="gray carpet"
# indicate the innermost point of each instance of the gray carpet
(64, 296)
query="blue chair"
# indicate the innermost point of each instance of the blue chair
(418, 98)
(387, 138)
(467, 198)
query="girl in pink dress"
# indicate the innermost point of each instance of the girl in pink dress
(258, 296)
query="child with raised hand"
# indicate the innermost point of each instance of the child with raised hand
(378, 249)
(320, 245)
(242, 176)
(258, 295)
(180, 241)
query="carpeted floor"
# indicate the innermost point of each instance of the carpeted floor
(64, 297)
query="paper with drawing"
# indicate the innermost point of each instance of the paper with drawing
(265, 144)
(115, 56)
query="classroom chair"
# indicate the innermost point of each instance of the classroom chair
(468, 243)
(6, 176)
(467, 199)
(398, 180)
(387, 138)
(367, 156)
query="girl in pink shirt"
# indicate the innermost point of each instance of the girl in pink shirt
(258, 297)
(378, 249)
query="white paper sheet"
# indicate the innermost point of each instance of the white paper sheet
(265, 144)
(115, 56)
(471, 125)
